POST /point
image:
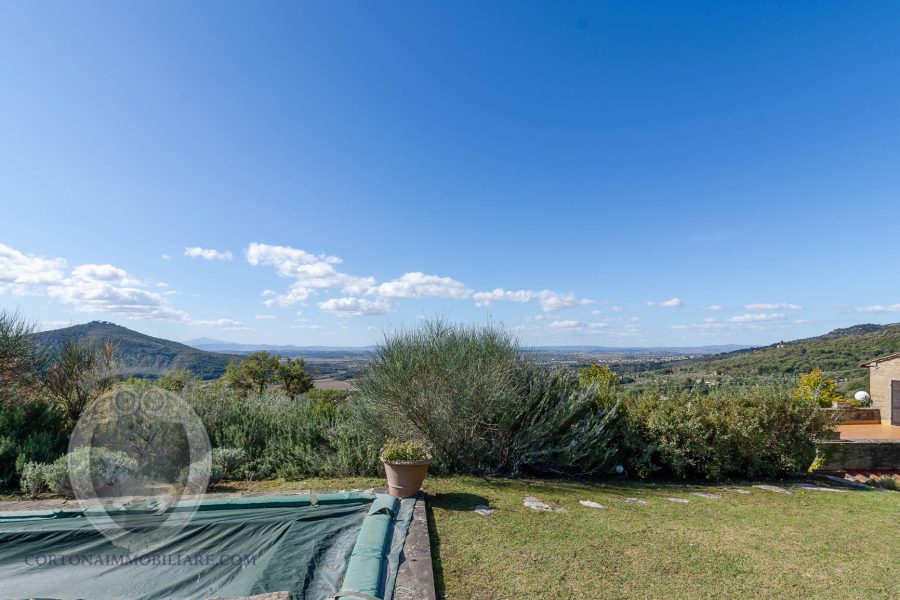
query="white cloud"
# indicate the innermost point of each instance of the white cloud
(208, 253)
(501, 295)
(550, 301)
(671, 303)
(264, 317)
(567, 325)
(714, 308)
(310, 272)
(879, 308)
(19, 272)
(420, 285)
(773, 306)
(547, 299)
(756, 318)
(228, 324)
(736, 324)
(166, 257)
(571, 326)
(109, 289)
(354, 307)
(92, 288)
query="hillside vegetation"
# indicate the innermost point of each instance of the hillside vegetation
(838, 353)
(140, 355)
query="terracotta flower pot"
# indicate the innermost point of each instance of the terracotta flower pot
(405, 477)
(839, 404)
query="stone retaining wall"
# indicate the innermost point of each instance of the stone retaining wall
(875, 454)
(856, 416)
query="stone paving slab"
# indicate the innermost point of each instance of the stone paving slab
(775, 489)
(817, 488)
(536, 504)
(706, 495)
(634, 501)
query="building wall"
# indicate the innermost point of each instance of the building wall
(880, 377)
(881, 454)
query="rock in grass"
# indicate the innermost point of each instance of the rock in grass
(678, 500)
(816, 488)
(535, 504)
(484, 511)
(737, 490)
(590, 504)
(706, 495)
(634, 501)
(773, 488)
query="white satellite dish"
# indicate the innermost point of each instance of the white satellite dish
(862, 396)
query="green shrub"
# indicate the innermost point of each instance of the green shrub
(176, 381)
(815, 386)
(745, 432)
(33, 479)
(110, 471)
(887, 482)
(56, 476)
(397, 451)
(321, 395)
(481, 405)
(32, 431)
(286, 437)
(228, 463)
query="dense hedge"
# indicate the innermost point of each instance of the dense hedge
(480, 405)
(32, 431)
(286, 437)
(742, 432)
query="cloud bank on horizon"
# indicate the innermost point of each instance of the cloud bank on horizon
(321, 281)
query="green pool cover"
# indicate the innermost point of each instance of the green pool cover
(314, 547)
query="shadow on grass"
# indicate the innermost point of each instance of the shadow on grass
(456, 501)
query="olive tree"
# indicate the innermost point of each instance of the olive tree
(79, 375)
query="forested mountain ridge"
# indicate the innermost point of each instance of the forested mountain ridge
(140, 355)
(839, 352)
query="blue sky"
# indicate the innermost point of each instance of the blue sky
(616, 173)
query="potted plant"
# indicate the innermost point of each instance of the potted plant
(405, 464)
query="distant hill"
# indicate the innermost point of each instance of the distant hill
(141, 355)
(839, 352)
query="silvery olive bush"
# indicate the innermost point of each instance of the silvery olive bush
(482, 405)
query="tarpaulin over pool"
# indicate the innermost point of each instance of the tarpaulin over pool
(313, 547)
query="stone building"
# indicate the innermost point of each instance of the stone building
(884, 387)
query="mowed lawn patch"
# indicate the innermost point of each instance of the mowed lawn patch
(810, 544)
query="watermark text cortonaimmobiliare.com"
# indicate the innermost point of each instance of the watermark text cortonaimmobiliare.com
(143, 560)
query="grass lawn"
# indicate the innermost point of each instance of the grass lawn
(807, 545)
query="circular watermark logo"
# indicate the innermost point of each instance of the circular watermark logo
(139, 463)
